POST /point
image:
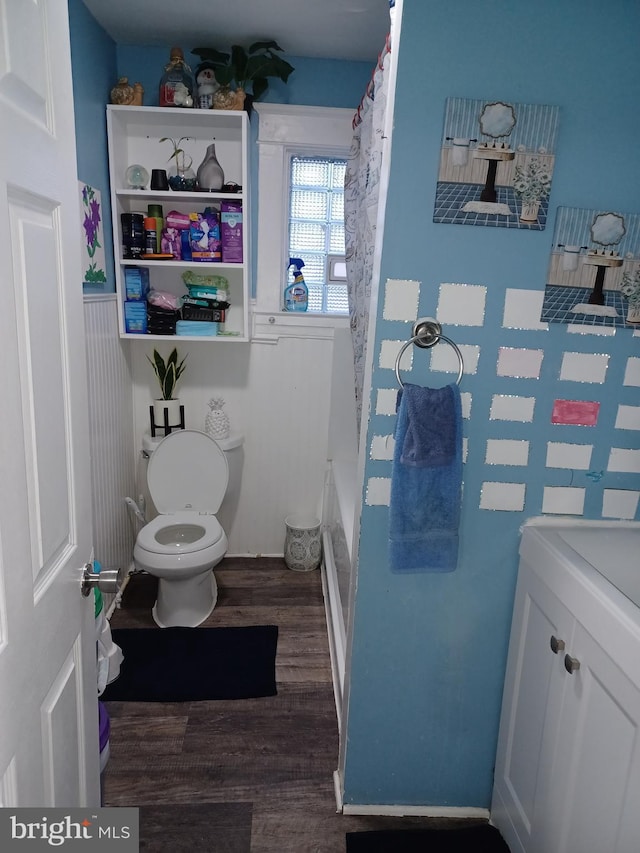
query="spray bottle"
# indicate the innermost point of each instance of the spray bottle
(296, 294)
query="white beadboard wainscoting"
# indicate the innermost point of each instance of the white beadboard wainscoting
(277, 395)
(111, 439)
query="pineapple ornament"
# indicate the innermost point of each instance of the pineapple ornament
(216, 424)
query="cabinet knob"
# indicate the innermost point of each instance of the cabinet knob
(571, 664)
(556, 645)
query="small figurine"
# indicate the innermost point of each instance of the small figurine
(126, 95)
(207, 85)
(181, 96)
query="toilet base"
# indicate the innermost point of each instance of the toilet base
(185, 603)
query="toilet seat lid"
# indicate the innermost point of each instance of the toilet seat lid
(188, 471)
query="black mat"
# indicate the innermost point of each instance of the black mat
(192, 664)
(472, 839)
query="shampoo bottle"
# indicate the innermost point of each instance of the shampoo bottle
(296, 294)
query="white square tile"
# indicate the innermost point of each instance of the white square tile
(580, 329)
(628, 417)
(624, 461)
(465, 449)
(574, 456)
(632, 372)
(378, 491)
(382, 447)
(389, 352)
(522, 309)
(401, 299)
(386, 401)
(563, 500)
(465, 403)
(521, 363)
(584, 367)
(445, 359)
(620, 503)
(506, 451)
(461, 304)
(503, 496)
(505, 407)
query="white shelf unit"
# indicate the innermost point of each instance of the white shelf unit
(134, 135)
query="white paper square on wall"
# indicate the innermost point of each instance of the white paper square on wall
(505, 407)
(503, 496)
(506, 451)
(465, 404)
(624, 461)
(563, 500)
(378, 491)
(522, 309)
(382, 447)
(628, 417)
(461, 305)
(574, 456)
(632, 372)
(580, 329)
(445, 359)
(521, 363)
(389, 352)
(401, 299)
(584, 367)
(620, 503)
(386, 401)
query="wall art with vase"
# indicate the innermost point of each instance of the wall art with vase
(496, 164)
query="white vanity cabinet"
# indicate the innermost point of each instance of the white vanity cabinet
(134, 135)
(567, 776)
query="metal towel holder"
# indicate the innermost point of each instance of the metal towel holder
(427, 333)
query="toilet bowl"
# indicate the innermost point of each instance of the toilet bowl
(187, 478)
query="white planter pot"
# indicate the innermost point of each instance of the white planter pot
(173, 409)
(529, 212)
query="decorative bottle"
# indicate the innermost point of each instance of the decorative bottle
(177, 84)
(210, 174)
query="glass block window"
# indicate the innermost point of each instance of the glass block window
(316, 228)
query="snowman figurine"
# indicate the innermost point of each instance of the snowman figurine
(207, 85)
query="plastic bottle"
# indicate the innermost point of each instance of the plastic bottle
(296, 294)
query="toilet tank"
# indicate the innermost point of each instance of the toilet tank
(233, 447)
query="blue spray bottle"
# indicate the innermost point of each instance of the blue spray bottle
(296, 294)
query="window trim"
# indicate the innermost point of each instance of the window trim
(286, 130)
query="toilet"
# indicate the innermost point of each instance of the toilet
(187, 479)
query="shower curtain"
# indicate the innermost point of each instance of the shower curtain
(361, 193)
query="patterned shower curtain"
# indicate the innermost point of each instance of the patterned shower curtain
(361, 193)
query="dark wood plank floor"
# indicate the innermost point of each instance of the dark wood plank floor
(243, 776)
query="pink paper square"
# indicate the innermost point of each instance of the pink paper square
(576, 412)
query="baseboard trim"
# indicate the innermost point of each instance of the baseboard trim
(337, 789)
(416, 811)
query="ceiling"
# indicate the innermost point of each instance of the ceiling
(330, 29)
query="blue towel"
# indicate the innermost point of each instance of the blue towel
(426, 480)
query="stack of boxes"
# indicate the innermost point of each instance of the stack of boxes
(136, 285)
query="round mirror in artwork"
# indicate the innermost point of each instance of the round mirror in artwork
(607, 229)
(497, 119)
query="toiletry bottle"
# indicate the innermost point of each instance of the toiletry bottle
(296, 294)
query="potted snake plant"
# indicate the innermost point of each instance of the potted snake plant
(167, 373)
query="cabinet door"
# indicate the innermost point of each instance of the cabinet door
(596, 769)
(535, 680)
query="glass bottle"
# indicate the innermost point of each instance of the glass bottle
(177, 84)
(210, 174)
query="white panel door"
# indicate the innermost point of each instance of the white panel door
(49, 752)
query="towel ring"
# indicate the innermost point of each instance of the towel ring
(427, 333)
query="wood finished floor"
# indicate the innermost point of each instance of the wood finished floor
(240, 776)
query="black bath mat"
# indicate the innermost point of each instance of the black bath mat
(469, 839)
(192, 664)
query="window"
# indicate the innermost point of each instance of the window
(316, 229)
(301, 156)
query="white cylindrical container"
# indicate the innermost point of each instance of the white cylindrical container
(302, 544)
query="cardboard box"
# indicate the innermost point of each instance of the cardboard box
(231, 231)
(136, 283)
(135, 317)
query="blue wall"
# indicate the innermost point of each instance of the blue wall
(429, 650)
(93, 59)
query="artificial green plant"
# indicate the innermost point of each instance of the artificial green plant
(168, 372)
(244, 67)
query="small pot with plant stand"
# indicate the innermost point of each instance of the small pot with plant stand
(166, 413)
